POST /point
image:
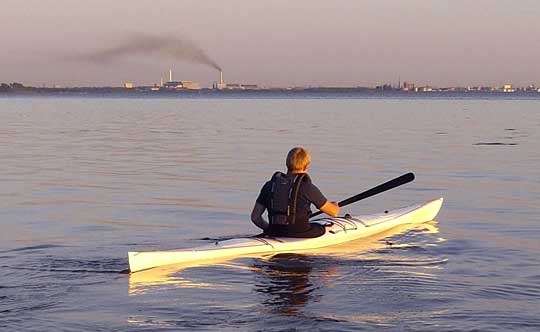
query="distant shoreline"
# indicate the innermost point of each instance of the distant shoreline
(264, 93)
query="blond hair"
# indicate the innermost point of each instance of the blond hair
(298, 159)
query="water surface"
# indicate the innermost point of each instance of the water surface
(84, 180)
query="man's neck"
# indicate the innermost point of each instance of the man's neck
(295, 172)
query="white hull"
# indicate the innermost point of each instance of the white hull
(342, 230)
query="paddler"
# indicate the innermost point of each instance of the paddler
(288, 197)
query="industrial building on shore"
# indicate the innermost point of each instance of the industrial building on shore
(179, 85)
(172, 85)
(232, 86)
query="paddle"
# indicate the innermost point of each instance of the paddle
(405, 178)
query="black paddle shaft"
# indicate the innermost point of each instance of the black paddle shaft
(405, 178)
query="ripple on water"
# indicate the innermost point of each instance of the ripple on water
(494, 143)
(33, 248)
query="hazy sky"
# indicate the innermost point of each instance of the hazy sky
(275, 42)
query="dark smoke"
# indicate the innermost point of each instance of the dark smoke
(178, 48)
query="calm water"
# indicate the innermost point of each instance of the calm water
(84, 180)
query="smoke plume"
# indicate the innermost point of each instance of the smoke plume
(178, 48)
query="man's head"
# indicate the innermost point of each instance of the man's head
(298, 160)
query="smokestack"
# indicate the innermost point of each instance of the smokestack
(221, 76)
(170, 75)
(161, 82)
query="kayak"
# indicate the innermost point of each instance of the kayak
(338, 230)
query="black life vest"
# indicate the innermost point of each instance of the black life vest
(284, 197)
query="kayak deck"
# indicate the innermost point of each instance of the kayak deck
(338, 230)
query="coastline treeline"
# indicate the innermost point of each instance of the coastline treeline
(12, 87)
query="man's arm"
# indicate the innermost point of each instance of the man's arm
(257, 218)
(317, 198)
(330, 208)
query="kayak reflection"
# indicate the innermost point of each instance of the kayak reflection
(287, 283)
(170, 275)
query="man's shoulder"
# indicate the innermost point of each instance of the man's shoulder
(308, 182)
(309, 186)
(266, 186)
(265, 193)
(311, 189)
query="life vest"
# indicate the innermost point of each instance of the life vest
(284, 197)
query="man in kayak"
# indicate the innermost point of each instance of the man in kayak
(287, 198)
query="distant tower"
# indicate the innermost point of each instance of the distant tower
(220, 85)
(170, 75)
(399, 82)
(161, 82)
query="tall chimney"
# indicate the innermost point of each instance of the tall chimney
(170, 75)
(221, 77)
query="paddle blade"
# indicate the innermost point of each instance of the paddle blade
(405, 178)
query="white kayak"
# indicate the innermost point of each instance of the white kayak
(338, 230)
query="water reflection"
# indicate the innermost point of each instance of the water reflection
(388, 271)
(284, 281)
(171, 275)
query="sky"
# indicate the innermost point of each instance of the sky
(275, 42)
